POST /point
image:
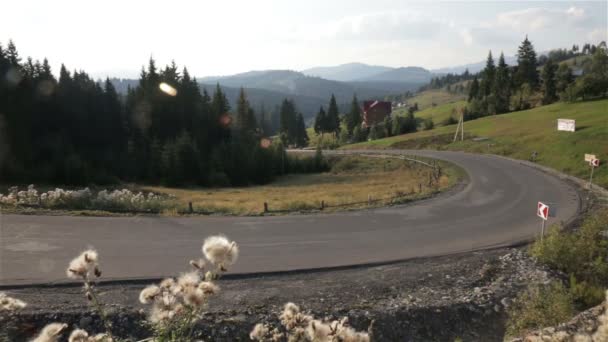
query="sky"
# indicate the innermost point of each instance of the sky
(115, 38)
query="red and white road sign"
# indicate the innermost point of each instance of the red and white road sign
(594, 162)
(542, 211)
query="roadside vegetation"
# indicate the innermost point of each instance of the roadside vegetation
(348, 182)
(519, 134)
(351, 182)
(582, 257)
(176, 306)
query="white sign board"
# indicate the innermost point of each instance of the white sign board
(589, 157)
(566, 125)
(542, 211)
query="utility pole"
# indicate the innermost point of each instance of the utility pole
(460, 127)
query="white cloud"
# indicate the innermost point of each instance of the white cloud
(598, 35)
(536, 19)
(467, 38)
(377, 26)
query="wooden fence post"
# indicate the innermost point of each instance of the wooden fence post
(265, 207)
(322, 204)
(190, 209)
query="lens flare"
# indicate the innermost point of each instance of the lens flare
(225, 120)
(265, 143)
(13, 77)
(167, 89)
(46, 88)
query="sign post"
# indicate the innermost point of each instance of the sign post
(593, 163)
(567, 125)
(542, 211)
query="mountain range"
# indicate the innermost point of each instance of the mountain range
(312, 88)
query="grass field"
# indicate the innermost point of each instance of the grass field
(439, 97)
(518, 134)
(351, 179)
(438, 113)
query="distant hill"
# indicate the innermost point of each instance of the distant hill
(346, 72)
(296, 84)
(406, 75)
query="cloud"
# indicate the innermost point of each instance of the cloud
(537, 19)
(467, 38)
(374, 26)
(598, 35)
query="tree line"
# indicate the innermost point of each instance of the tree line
(75, 130)
(499, 88)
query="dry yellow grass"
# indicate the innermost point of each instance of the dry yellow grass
(352, 179)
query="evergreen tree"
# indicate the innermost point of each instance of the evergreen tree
(320, 121)
(526, 65)
(301, 138)
(489, 74)
(549, 88)
(288, 124)
(474, 91)
(333, 119)
(245, 119)
(502, 86)
(354, 117)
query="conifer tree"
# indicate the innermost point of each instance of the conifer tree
(353, 119)
(333, 119)
(526, 65)
(320, 121)
(549, 88)
(489, 74)
(502, 86)
(474, 91)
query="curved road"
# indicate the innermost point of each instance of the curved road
(496, 207)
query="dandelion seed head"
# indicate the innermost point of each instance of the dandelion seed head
(148, 294)
(84, 265)
(79, 335)
(220, 251)
(259, 332)
(167, 283)
(51, 332)
(319, 331)
(194, 297)
(188, 280)
(10, 304)
(208, 287)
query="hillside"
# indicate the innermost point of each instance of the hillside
(439, 113)
(518, 134)
(434, 97)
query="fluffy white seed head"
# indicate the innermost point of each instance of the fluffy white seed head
(208, 288)
(259, 332)
(198, 264)
(220, 251)
(10, 304)
(188, 280)
(319, 331)
(149, 294)
(84, 265)
(79, 335)
(51, 332)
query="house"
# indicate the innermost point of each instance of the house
(375, 111)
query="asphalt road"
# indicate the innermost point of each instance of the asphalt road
(496, 207)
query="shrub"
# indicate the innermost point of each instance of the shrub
(582, 254)
(539, 306)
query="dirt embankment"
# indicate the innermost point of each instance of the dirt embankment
(433, 299)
